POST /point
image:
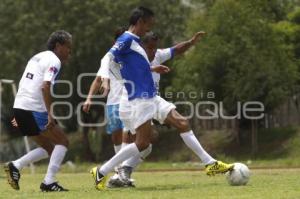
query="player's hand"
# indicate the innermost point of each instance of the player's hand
(87, 105)
(161, 69)
(51, 123)
(197, 36)
(14, 122)
(105, 87)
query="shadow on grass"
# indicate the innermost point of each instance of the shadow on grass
(166, 187)
(162, 188)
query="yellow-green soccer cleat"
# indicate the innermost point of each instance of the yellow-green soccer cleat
(100, 180)
(218, 167)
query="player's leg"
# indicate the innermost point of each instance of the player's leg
(127, 137)
(143, 111)
(142, 142)
(116, 137)
(128, 166)
(56, 136)
(28, 127)
(181, 123)
(114, 126)
(42, 152)
(134, 161)
(14, 168)
(114, 181)
(167, 114)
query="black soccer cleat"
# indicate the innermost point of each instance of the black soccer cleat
(52, 187)
(13, 175)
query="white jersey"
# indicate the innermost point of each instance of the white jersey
(161, 56)
(43, 66)
(110, 69)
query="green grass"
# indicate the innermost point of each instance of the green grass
(264, 184)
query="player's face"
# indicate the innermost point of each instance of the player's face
(150, 49)
(146, 25)
(64, 51)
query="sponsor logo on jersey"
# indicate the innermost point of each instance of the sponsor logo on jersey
(29, 75)
(53, 70)
(118, 45)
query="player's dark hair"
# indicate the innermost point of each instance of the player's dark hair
(59, 36)
(119, 31)
(150, 36)
(140, 12)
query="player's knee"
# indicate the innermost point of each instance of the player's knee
(116, 138)
(65, 142)
(142, 145)
(49, 149)
(183, 125)
(154, 136)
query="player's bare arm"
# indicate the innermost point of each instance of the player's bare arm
(47, 99)
(161, 69)
(185, 45)
(105, 86)
(95, 86)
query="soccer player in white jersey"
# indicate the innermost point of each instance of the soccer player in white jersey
(108, 79)
(33, 116)
(143, 102)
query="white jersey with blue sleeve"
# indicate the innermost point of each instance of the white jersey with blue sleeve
(161, 56)
(135, 66)
(43, 66)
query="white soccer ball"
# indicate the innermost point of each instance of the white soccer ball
(239, 175)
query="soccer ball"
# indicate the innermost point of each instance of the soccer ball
(239, 175)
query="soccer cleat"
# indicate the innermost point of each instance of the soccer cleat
(100, 180)
(13, 175)
(218, 167)
(125, 173)
(53, 187)
(115, 182)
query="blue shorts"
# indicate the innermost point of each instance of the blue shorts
(113, 119)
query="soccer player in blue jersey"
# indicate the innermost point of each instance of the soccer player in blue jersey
(143, 104)
(156, 57)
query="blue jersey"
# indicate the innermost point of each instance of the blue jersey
(135, 66)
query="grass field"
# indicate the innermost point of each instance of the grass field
(264, 184)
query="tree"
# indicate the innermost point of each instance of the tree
(242, 58)
(26, 25)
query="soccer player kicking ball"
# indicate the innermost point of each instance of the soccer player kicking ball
(143, 102)
(33, 116)
(156, 57)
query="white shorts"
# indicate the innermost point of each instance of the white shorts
(136, 112)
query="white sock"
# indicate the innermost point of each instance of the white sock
(125, 153)
(31, 157)
(124, 144)
(117, 148)
(56, 159)
(137, 159)
(191, 141)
